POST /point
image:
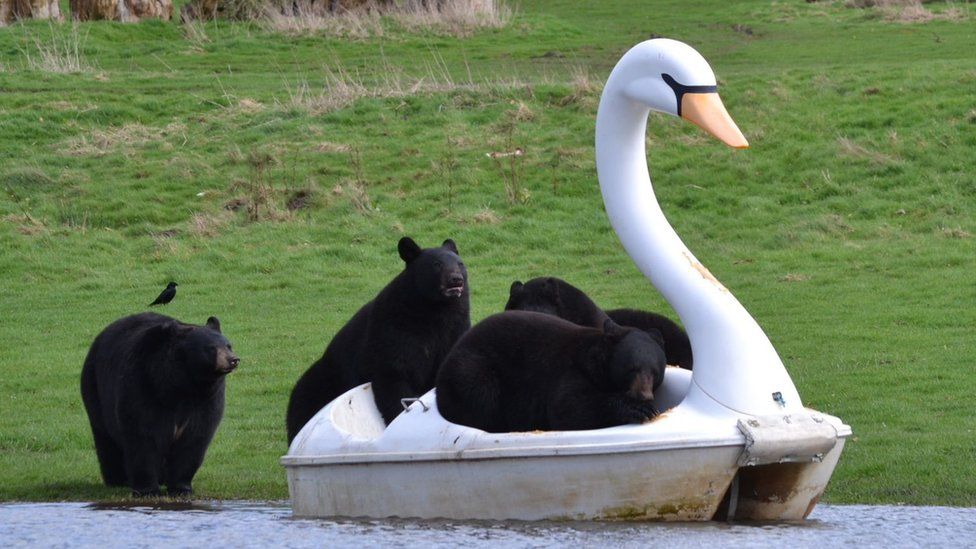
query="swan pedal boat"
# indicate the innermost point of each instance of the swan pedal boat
(734, 440)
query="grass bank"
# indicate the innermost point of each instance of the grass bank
(271, 173)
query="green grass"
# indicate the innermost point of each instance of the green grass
(846, 230)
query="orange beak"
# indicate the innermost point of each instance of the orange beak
(707, 112)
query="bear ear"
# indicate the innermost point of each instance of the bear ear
(612, 328)
(213, 323)
(515, 289)
(450, 245)
(551, 287)
(409, 250)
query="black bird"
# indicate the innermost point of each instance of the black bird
(167, 295)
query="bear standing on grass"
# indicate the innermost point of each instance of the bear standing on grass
(396, 341)
(554, 296)
(524, 371)
(153, 388)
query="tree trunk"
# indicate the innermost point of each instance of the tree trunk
(128, 11)
(199, 10)
(11, 10)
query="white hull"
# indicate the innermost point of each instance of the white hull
(677, 467)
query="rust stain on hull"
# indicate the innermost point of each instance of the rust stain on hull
(705, 273)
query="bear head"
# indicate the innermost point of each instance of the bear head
(540, 295)
(437, 274)
(554, 296)
(203, 351)
(628, 360)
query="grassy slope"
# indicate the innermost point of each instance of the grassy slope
(845, 230)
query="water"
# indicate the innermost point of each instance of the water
(260, 524)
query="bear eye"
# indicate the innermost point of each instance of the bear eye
(461, 264)
(437, 265)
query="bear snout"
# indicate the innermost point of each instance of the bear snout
(454, 286)
(642, 387)
(227, 362)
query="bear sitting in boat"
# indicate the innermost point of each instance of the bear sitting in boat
(525, 371)
(555, 296)
(396, 341)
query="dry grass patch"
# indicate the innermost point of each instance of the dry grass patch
(61, 53)
(248, 106)
(69, 106)
(522, 113)
(308, 19)
(954, 232)
(908, 11)
(124, 138)
(794, 277)
(457, 18)
(333, 148)
(358, 195)
(341, 88)
(262, 203)
(583, 90)
(209, 225)
(486, 216)
(853, 150)
(195, 32)
(339, 91)
(830, 226)
(454, 17)
(165, 245)
(26, 224)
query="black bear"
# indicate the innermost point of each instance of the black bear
(396, 341)
(524, 371)
(153, 388)
(557, 297)
(677, 346)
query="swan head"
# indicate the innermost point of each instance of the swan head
(670, 77)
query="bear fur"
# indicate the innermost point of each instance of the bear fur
(677, 346)
(524, 371)
(396, 341)
(557, 297)
(153, 388)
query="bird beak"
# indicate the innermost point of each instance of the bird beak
(707, 112)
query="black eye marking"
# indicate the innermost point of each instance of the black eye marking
(680, 89)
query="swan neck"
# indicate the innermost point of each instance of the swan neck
(728, 345)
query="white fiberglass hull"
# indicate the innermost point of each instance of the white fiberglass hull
(678, 467)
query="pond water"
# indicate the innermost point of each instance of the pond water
(269, 524)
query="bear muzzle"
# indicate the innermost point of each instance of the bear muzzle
(642, 388)
(454, 287)
(227, 362)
